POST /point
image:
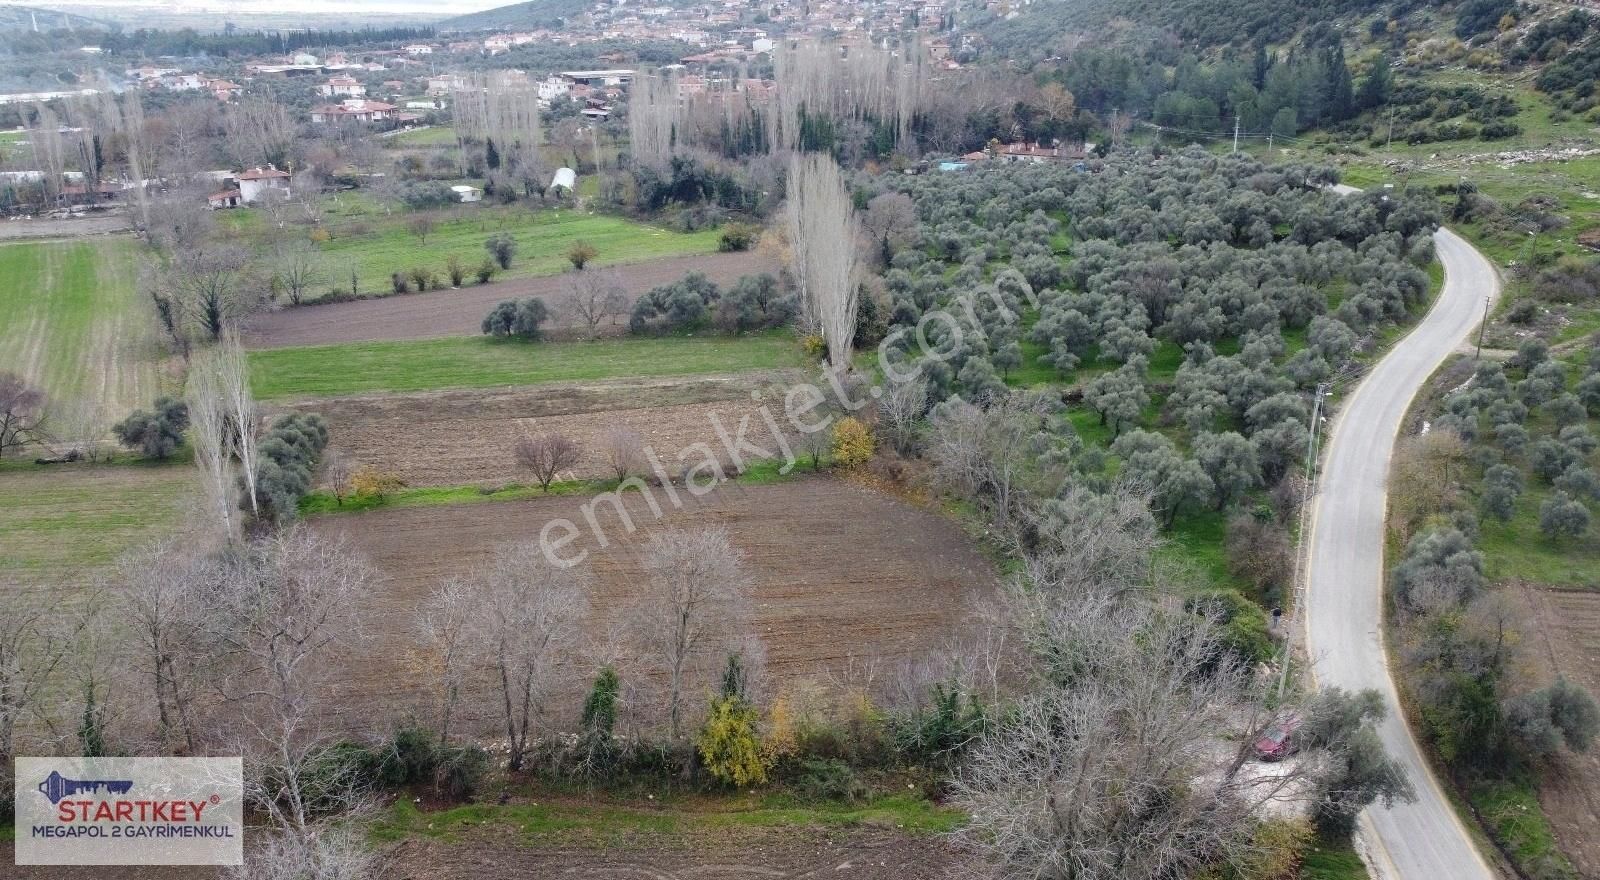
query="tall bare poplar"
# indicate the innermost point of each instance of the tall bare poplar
(653, 113)
(233, 380)
(824, 230)
(212, 432)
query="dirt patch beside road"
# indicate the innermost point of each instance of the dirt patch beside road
(460, 312)
(454, 438)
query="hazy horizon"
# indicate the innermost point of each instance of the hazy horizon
(272, 7)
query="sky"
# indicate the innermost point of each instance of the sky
(324, 7)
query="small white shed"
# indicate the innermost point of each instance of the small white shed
(565, 178)
(466, 193)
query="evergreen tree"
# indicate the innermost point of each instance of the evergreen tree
(491, 155)
(1376, 87)
(1340, 104)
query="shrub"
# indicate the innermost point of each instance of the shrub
(852, 442)
(369, 482)
(457, 271)
(399, 283)
(287, 459)
(829, 779)
(502, 248)
(485, 271)
(1244, 624)
(938, 733)
(729, 745)
(520, 318)
(581, 253)
(680, 306)
(423, 278)
(737, 237)
(321, 235)
(155, 434)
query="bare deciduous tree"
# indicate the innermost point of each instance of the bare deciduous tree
(22, 413)
(694, 609)
(445, 622)
(213, 437)
(161, 592)
(546, 455)
(994, 455)
(283, 609)
(595, 296)
(233, 380)
(32, 645)
(900, 412)
(823, 230)
(623, 450)
(297, 264)
(529, 614)
(258, 132)
(653, 115)
(891, 220)
(326, 852)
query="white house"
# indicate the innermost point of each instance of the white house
(466, 193)
(761, 44)
(554, 87)
(343, 87)
(257, 183)
(354, 109)
(418, 49)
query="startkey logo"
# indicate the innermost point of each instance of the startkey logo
(129, 811)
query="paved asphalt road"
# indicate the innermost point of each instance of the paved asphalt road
(1344, 603)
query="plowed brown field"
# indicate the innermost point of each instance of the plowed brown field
(460, 312)
(840, 575)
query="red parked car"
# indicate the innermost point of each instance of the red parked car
(1277, 742)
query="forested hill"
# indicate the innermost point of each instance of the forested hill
(533, 14)
(1043, 27)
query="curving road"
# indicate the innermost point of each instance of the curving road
(1344, 603)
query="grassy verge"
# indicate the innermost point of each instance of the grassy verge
(323, 502)
(1333, 861)
(556, 824)
(1511, 813)
(433, 364)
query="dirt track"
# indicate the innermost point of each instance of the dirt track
(840, 573)
(460, 312)
(453, 438)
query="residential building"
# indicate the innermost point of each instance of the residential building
(342, 87)
(352, 109)
(258, 183)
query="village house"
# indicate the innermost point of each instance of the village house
(343, 87)
(352, 109)
(418, 49)
(258, 183)
(223, 90)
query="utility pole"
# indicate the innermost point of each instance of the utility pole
(1236, 132)
(1390, 142)
(1305, 502)
(1482, 326)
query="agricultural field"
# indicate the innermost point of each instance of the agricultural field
(460, 312)
(464, 362)
(72, 325)
(64, 522)
(818, 610)
(451, 438)
(374, 244)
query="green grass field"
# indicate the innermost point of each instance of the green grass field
(63, 521)
(543, 238)
(431, 364)
(71, 323)
(550, 824)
